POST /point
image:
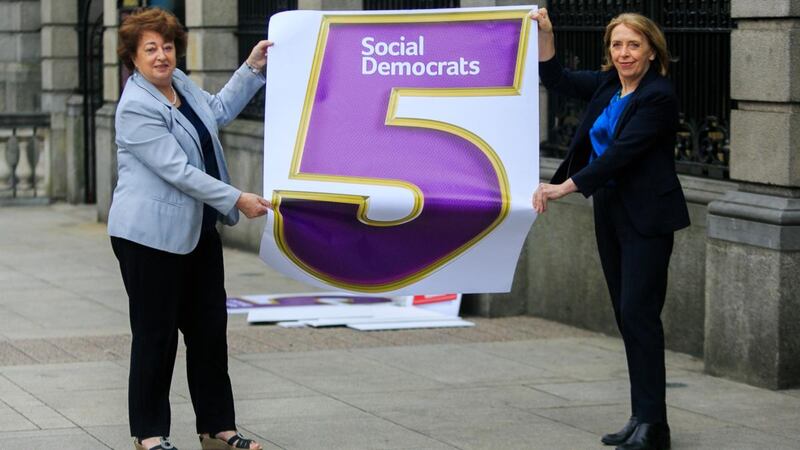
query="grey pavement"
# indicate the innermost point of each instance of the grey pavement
(512, 383)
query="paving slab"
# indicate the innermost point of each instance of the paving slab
(510, 429)
(340, 372)
(345, 433)
(454, 402)
(605, 418)
(182, 435)
(740, 404)
(11, 420)
(316, 408)
(76, 376)
(733, 438)
(248, 380)
(456, 365)
(508, 383)
(62, 439)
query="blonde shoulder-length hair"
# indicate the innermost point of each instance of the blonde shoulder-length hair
(645, 27)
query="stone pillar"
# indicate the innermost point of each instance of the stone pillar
(106, 158)
(212, 55)
(105, 135)
(20, 73)
(59, 50)
(330, 5)
(752, 328)
(76, 187)
(111, 64)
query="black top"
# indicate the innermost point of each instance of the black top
(210, 215)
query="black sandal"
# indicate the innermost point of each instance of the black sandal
(237, 441)
(164, 444)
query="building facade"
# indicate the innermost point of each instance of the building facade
(734, 289)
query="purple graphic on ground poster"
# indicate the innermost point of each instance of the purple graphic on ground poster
(234, 303)
(347, 136)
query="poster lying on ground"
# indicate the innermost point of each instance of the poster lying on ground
(401, 148)
(364, 313)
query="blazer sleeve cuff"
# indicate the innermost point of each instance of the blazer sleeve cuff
(584, 187)
(245, 71)
(229, 203)
(550, 70)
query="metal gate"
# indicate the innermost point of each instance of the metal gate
(410, 4)
(90, 55)
(698, 36)
(253, 19)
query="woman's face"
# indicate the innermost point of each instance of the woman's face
(155, 59)
(630, 53)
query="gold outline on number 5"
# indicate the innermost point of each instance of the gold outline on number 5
(392, 120)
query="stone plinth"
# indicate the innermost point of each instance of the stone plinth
(105, 159)
(753, 289)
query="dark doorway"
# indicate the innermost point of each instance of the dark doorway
(90, 57)
(253, 26)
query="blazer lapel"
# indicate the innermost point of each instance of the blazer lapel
(148, 86)
(626, 112)
(596, 107)
(623, 118)
(186, 124)
(188, 95)
(176, 116)
(210, 122)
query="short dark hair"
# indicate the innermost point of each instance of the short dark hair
(149, 19)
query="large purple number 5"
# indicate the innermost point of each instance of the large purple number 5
(350, 133)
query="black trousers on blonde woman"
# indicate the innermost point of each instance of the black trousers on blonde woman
(635, 267)
(168, 292)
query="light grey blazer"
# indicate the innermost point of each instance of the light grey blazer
(162, 184)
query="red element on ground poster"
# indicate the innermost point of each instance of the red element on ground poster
(426, 299)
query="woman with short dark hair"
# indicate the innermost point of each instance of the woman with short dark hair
(622, 155)
(173, 187)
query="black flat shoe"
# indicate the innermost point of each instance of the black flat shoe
(622, 435)
(648, 436)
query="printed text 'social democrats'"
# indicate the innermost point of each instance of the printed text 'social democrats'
(372, 51)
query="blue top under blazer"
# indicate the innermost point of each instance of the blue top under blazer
(162, 184)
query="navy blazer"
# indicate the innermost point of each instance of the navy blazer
(640, 159)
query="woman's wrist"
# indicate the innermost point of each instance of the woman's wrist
(256, 69)
(547, 46)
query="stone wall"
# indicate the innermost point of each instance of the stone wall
(20, 53)
(559, 275)
(243, 141)
(753, 246)
(59, 62)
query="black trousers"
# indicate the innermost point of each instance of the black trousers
(635, 268)
(166, 293)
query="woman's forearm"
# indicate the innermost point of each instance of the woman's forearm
(547, 45)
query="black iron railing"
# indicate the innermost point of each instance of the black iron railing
(22, 141)
(90, 51)
(410, 4)
(253, 19)
(698, 36)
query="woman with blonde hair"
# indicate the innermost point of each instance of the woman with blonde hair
(622, 155)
